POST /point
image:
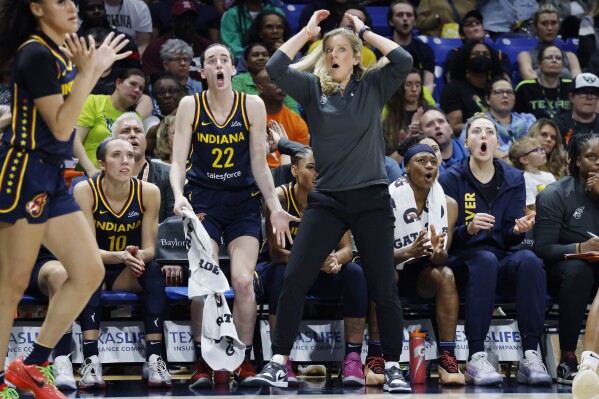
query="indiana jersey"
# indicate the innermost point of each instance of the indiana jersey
(291, 208)
(28, 129)
(220, 154)
(116, 229)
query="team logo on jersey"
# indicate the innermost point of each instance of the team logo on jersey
(236, 124)
(578, 213)
(323, 99)
(201, 216)
(35, 207)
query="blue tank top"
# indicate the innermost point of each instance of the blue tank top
(28, 129)
(220, 154)
(115, 230)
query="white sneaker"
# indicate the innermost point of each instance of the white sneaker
(156, 374)
(532, 371)
(586, 380)
(313, 370)
(480, 372)
(91, 374)
(63, 373)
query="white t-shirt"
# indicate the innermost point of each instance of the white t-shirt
(535, 183)
(130, 17)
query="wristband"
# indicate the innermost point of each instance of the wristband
(309, 33)
(362, 31)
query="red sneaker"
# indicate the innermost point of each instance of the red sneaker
(39, 380)
(7, 392)
(202, 375)
(245, 373)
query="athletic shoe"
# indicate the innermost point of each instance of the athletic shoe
(37, 379)
(291, 377)
(395, 381)
(480, 372)
(566, 370)
(273, 374)
(91, 374)
(245, 373)
(313, 370)
(586, 383)
(449, 372)
(7, 392)
(63, 373)
(201, 376)
(374, 371)
(155, 373)
(352, 370)
(532, 371)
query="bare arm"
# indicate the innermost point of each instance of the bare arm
(574, 64)
(455, 120)
(292, 46)
(88, 167)
(142, 39)
(525, 65)
(429, 81)
(277, 253)
(181, 144)
(149, 224)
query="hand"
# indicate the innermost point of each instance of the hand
(414, 128)
(331, 265)
(130, 257)
(524, 224)
(315, 20)
(589, 245)
(173, 275)
(354, 22)
(180, 203)
(420, 247)
(437, 241)
(592, 184)
(278, 44)
(108, 52)
(480, 221)
(77, 50)
(277, 131)
(280, 226)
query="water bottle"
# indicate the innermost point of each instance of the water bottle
(417, 360)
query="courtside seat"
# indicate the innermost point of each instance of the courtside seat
(120, 297)
(179, 294)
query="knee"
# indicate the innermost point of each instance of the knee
(530, 262)
(243, 284)
(483, 265)
(352, 272)
(56, 276)
(445, 279)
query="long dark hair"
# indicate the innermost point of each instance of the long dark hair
(459, 70)
(255, 28)
(16, 24)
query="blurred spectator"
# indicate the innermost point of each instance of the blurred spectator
(207, 23)
(502, 16)
(401, 18)
(133, 18)
(546, 24)
(476, 64)
(107, 81)
(164, 143)
(176, 57)
(434, 124)
(588, 36)
(184, 14)
(167, 93)
(567, 8)
(236, 21)
(548, 94)
(336, 9)
(583, 100)
(548, 136)
(441, 17)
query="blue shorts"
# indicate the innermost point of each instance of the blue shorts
(226, 214)
(112, 273)
(44, 256)
(32, 186)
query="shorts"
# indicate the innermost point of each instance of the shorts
(407, 285)
(112, 273)
(226, 214)
(44, 256)
(32, 186)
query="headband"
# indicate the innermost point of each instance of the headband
(415, 149)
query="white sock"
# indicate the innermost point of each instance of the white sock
(591, 359)
(388, 365)
(278, 359)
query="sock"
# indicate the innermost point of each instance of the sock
(197, 346)
(388, 365)
(375, 349)
(448, 347)
(63, 347)
(475, 346)
(2, 378)
(529, 343)
(591, 359)
(90, 348)
(153, 348)
(278, 359)
(39, 355)
(248, 352)
(355, 348)
(570, 358)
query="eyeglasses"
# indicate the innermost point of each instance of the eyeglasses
(180, 59)
(538, 150)
(592, 94)
(164, 92)
(271, 27)
(552, 57)
(502, 93)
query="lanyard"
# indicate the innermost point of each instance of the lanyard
(549, 111)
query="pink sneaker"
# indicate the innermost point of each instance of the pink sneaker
(291, 377)
(352, 370)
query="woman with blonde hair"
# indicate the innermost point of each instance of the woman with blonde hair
(548, 136)
(164, 144)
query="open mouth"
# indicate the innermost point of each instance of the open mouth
(220, 78)
(428, 176)
(483, 148)
(335, 66)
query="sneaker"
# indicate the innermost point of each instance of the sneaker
(532, 371)
(586, 383)
(91, 374)
(201, 377)
(566, 371)
(449, 372)
(374, 371)
(313, 370)
(245, 373)
(155, 373)
(7, 392)
(395, 381)
(273, 374)
(480, 372)
(63, 373)
(352, 370)
(291, 377)
(37, 379)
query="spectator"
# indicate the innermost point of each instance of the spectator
(548, 136)
(207, 23)
(107, 82)
(510, 125)
(236, 21)
(546, 23)
(435, 17)
(164, 144)
(583, 100)
(476, 66)
(185, 13)
(503, 16)
(269, 28)
(588, 36)
(167, 93)
(566, 211)
(99, 113)
(434, 124)
(548, 94)
(527, 155)
(401, 18)
(176, 58)
(484, 249)
(294, 125)
(133, 18)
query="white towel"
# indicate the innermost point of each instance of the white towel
(407, 223)
(221, 348)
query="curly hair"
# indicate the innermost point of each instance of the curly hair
(163, 151)
(255, 31)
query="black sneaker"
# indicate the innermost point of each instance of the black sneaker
(566, 371)
(395, 381)
(272, 375)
